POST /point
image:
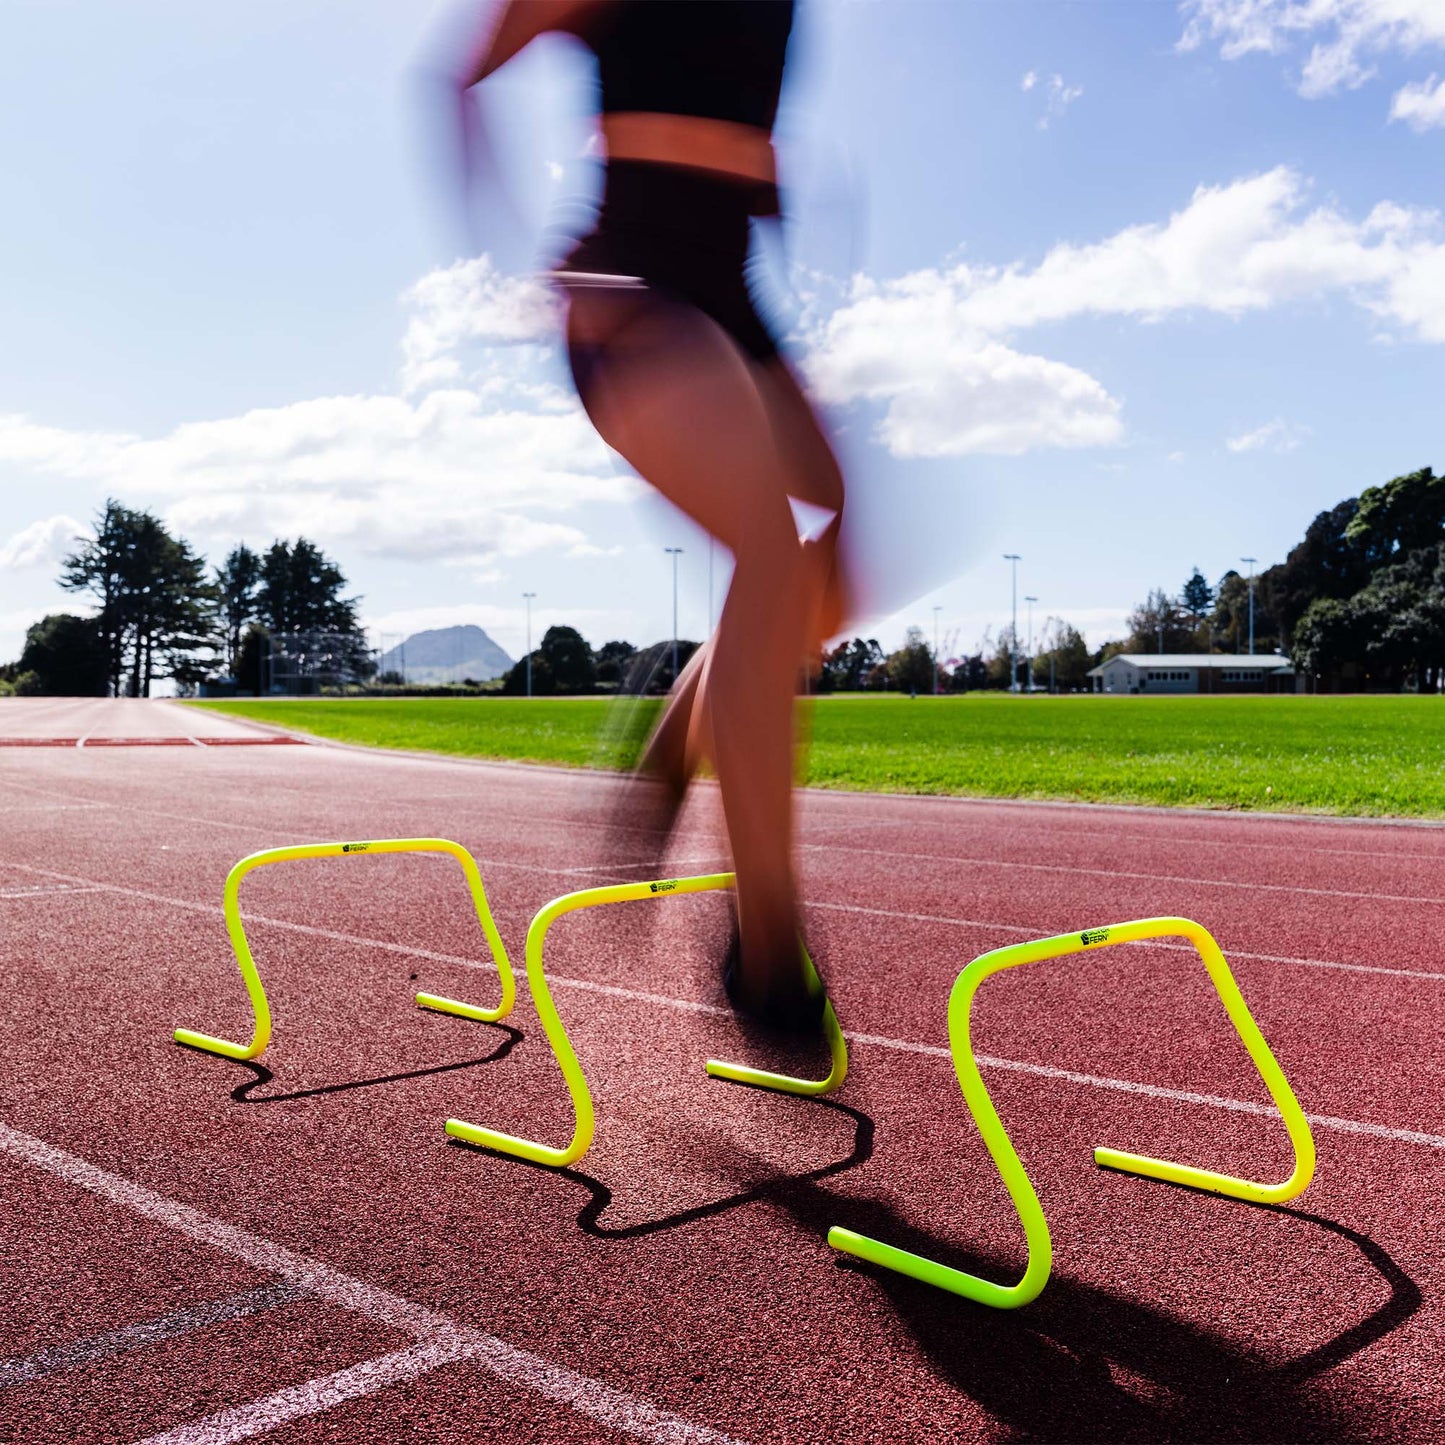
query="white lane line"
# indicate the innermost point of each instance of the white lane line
(532, 819)
(13, 808)
(314, 1396)
(1348, 1126)
(1155, 1091)
(1026, 931)
(1073, 868)
(311, 1275)
(624, 1413)
(150, 1332)
(1047, 1071)
(42, 891)
(1041, 932)
(450, 1340)
(1164, 838)
(55, 793)
(633, 995)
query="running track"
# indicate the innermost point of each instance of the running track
(202, 1251)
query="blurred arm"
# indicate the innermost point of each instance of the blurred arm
(516, 23)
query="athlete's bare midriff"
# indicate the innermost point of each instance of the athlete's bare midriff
(697, 141)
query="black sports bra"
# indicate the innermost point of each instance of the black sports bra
(722, 59)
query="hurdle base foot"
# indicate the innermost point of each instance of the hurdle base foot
(222, 1047)
(929, 1271)
(527, 1149)
(1250, 1191)
(460, 1010)
(762, 1079)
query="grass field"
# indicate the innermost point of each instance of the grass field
(1349, 755)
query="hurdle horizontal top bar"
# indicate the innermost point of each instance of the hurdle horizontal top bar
(236, 928)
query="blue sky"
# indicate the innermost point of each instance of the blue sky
(1123, 287)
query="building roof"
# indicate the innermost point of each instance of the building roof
(1265, 662)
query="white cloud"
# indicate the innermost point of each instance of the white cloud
(42, 544)
(445, 472)
(1242, 247)
(470, 302)
(23, 618)
(1275, 436)
(1345, 34)
(442, 477)
(1420, 105)
(932, 346)
(948, 387)
(1060, 98)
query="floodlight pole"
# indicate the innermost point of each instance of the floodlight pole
(1031, 601)
(1013, 678)
(936, 610)
(528, 596)
(1251, 561)
(675, 552)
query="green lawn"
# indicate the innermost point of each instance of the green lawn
(1360, 755)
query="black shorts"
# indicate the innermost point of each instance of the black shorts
(685, 233)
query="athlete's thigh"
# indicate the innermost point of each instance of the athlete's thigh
(673, 394)
(814, 475)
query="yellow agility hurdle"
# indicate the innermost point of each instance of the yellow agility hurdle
(1016, 1179)
(563, 1052)
(237, 930)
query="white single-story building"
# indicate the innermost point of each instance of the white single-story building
(1169, 672)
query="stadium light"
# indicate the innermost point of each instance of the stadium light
(1013, 677)
(1031, 601)
(676, 552)
(528, 596)
(1251, 561)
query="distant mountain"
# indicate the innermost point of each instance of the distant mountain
(447, 654)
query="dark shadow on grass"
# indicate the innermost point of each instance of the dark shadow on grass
(778, 1188)
(244, 1093)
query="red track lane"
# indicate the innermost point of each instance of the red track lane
(684, 1264)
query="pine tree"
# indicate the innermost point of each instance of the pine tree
(237, 580)
(156, 607)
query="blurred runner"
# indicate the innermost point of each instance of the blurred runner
(683, 378)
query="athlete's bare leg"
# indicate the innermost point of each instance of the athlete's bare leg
(670, 391)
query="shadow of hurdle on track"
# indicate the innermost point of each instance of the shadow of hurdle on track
(244, 1093)
(779, 1188)
(1084, 1364)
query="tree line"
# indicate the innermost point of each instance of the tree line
(1358, 603)
(158, 613)
(566, 664)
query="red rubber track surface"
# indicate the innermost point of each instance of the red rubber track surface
(684, 1262)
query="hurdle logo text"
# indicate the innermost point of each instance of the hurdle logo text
(1094, 935)
(355, 847)
(666, 886)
